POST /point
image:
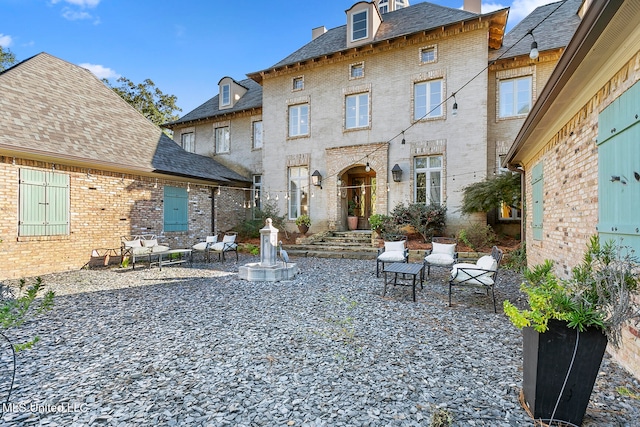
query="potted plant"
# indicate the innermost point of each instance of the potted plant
(377, 223)
(352, 218)
(567, 326)
(303, 222)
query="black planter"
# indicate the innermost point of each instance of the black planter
(546, 360)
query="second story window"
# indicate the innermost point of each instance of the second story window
(298, 83)
(188, 142)
(428, 54)
(222, 140)
(515, 96)
(359, 26)
(226, 95)
(356, 70)
(357, 111)
(427, 100)
(257, 134)
(299, 120)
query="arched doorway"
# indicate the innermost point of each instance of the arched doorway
(361, 186)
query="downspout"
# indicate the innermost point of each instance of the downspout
(520, 170)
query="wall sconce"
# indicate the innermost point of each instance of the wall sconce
(316, 179)
(397, 173)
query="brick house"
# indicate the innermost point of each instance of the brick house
(80, 167)
(578, 149)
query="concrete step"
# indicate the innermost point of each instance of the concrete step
(333, 248)
(332, 254)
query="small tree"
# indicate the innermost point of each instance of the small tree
(427, 220)
(489, 194)
(7, 58)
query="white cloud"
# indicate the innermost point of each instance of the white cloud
(81, 3)
(101, 72)
(5, 40)
(488, 7)
(74, 15)
(521, 8)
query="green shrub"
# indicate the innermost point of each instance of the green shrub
(428, 220)
(251, 228)
(517, 259)
(478, 236)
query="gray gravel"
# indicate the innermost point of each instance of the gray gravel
(200, 347)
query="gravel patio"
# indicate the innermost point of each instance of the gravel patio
(200, 347)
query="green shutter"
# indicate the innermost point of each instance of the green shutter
(537, 188)
(58, 203)
(44, 203)
(176, 208)
(619, 170)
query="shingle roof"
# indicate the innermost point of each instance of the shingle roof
(52, 109)
(405, 21)
(250, 100)
(551, 33)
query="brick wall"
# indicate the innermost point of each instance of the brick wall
(103, 207)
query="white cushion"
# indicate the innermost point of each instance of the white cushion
(439, 259)
(463, 272)
(211, 239)
(139, 250)
(443, 248)
(200, 246)
(220, 246)
(160, 248)
(132, 243)
(229, 238)
(149, 243)
(392, 256)
(487, 262)
(394, 246)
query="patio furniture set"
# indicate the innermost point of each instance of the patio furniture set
(146, 247)
(393, 258)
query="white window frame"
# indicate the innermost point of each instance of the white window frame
(223, 139)
(298, 187)
(257, 134)
(353, 69)
(355, 118)
(424, 49)
(225, 95)
(360, 30)
(428, 108)
(383, 6)
(514, 94)
(188, 141)
(432, 173)
(297, 83)
(298, 126)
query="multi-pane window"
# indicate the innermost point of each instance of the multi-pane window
(298, 191)
(257, 194)
(359, 25)
(188, 141)
(515, 96)
(428, 54)
(356, 70)
(257, 134)
(226, 94)
(299, 120)
(507, 211)
(357, 111)
(176, 208)
(428, 179)
(383, 6)
(222, 140)
(298, 83)
(44, 203)
(427, 99)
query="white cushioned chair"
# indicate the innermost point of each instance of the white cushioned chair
(205, 246)
(140, 246)
(392, 252)
(442, 253)
(482, 274)
(228, 244)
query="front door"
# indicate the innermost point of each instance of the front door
(362, 194)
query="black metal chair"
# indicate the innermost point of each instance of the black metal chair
(443, 253)
(482, 274)
(392, 252)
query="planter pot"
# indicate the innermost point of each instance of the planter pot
(546, 361)
(303, 229)
(352, 222)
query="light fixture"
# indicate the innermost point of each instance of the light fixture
(367, 168)
(403, 141)
(188, 187)
(396, 172)
(218, 193)
(88, 173)
(316, 179)
(454, 111)
(534, 47)
(156, 184)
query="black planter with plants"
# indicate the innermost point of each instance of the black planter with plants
(556, 382)
(567, 326)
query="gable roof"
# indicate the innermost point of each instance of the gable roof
(402, 22)
(210, 109)
(551, 32)
(52, 110)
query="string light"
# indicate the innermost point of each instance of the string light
(188, 187)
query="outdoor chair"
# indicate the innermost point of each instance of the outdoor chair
(139, 246)
(228, 244)
(205, 246)
(392, 252)
(482, 274)
(443, 253)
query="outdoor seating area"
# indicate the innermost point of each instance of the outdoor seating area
(392, 252)
(140, 246)
(482, 274)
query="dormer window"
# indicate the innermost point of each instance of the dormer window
(226, 94)
(359, 25)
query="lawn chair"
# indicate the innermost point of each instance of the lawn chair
(482, 274)
(442, 253)
(228, 244)
(205, 246)
(392, 252)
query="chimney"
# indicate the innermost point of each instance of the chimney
(472, 6)
(317, 32)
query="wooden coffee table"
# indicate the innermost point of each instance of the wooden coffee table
(405, 269)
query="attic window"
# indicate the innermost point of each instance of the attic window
(226, 94)
(359, 26)
(356, 70)
(428, 54)
(298, 83)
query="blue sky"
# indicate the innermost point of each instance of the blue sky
(185, 47)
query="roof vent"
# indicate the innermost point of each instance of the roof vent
(473, 6)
